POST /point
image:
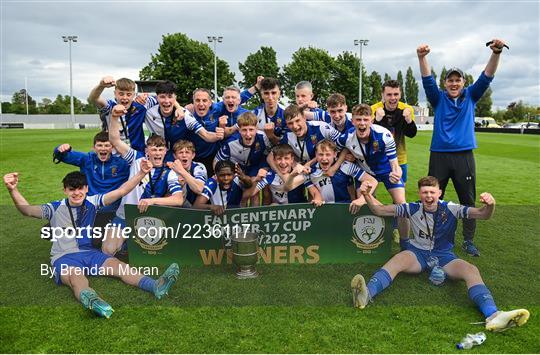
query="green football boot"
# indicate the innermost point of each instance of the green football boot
(90, 300)
(166, 280)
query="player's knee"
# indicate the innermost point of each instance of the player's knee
(109, 248)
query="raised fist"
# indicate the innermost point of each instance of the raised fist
(107, 82)
(11, 180)
(422, 50)
(118, 111)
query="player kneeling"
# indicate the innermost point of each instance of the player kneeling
(434, 224)
(75, 258)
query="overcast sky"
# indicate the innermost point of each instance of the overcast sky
(117, 38)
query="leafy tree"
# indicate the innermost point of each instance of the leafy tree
(400, 80)
(345, 76)
(442, 78)
(411, 88)
(314, 65)
(376, 86)
(483, 106)
(387, 77)
(188, 63)
(263, 62)
(18, 103)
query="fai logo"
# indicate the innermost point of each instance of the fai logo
(368, 232)
(151, 233)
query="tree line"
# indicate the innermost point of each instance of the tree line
(190, 64)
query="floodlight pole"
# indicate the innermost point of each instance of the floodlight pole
(215, 40)
(71, 39)
(360, 43)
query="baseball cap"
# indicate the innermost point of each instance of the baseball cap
(454, 71)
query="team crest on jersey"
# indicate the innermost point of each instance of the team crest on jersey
(443, 216)
(257, 146)
(211, 118)
(114, 170)
(278, 121)
(375, 146)
(314, 139)
(150, 233)
(368, 232)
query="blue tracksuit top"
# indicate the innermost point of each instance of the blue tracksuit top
(453, 126)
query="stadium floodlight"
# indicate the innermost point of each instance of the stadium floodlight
(360, 43)
(70, 39)
(215, 40)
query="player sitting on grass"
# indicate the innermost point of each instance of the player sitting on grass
(332, 188)
(225, 190)
(434, 226)
(104, 171)
(192, 175)
(159, 187)
(283, 156)
(73, 258)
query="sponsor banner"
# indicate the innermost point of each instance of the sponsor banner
(288, 234)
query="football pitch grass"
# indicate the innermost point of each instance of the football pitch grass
(298, 308)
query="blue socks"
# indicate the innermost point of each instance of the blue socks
(147, 284)
(483, 299)
(378, 282)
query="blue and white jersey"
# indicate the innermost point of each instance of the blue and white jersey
(279, 195)
(210, 122)
(159, 182)
(304, 148)
(334, 189)
(251, 158)
(278, 119)
(375, 156)
(216, 196)
(321, 115)
(427, 225)
(102, 176)
(57, 212)
(131, 124)
(162, 126)
(198, 171)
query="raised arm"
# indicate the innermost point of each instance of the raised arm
(296, 177)
(125, 188)
(11, 181)
(194, 184)
(114, 130)
(497, 47)
(246, 180)
(95, 94)
(422, 51)
(486, 211)
(374, 205)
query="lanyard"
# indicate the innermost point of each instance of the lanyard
(71, 213)
(366, 151)
(152, 185)
(125, 123)
(431, 234)
(165, 131)
(301, 147)
(223, 200)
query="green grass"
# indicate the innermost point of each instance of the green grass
(300, 309)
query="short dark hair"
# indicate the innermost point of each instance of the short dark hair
(391, 84)
(165, 87)
(101, 137)
(269, 84)
(222, 164)
(428, 181)
(74, 180)
(282, 149)
(292, 111)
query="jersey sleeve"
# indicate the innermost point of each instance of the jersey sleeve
(132, 155)
(389, 145)
(173, 186)
(352, 170)
(191, 123)
(200, 173)
(402, 210)
(209, 188)
(245, 96)
(267, 180)
(479, 87)
(224, 153)
(151, 101)
(71, 157)
(96, 200)
(329, 132)
(341, 140)
(459, 211)
(431, 89)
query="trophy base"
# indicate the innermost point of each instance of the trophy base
(246, 272)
